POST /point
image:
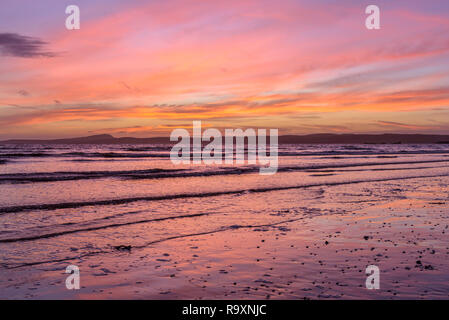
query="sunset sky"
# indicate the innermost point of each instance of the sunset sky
(141, 68)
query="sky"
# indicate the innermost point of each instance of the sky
(143, 68)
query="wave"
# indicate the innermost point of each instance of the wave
(151, 148)
(375, 169)
(179, 173)
(114, 155)
(82, 175)
(386, 153)
(25, 155)
(84, 155)
(72, 205)
(164, 152)
(114, 249)
(94, 228)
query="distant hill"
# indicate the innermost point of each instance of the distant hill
(323, 138)
(364, 138)
(96, 139)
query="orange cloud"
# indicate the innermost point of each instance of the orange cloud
(229, 61)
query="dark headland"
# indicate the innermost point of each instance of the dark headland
(324, 138)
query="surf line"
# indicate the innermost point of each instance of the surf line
(191, 151)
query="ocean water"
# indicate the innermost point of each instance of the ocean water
(64, 202)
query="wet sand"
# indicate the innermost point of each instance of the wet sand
(312, 243)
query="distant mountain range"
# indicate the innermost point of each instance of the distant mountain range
(324, 138)
(96, 139)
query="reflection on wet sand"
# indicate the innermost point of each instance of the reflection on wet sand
(295, 235)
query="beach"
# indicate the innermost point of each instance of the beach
(139, 227)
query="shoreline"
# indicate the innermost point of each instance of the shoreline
(321, 255)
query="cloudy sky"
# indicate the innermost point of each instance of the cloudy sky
(141, 68)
